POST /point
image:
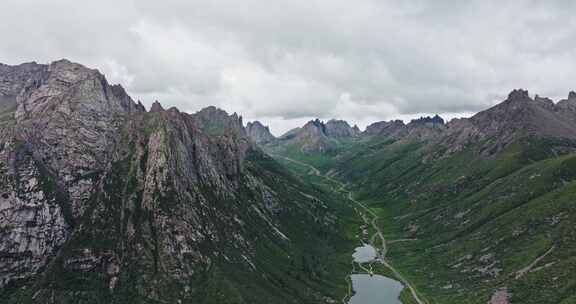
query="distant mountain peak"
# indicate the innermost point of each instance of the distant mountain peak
(216, 121)
(336, 128)
(519, 94)
(319, 136)
(140, 106)
(259, 133)
(391, 128)
(156, 107)
(519, 116)
(436, 119)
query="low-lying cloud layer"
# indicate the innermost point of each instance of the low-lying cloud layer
(286, 61)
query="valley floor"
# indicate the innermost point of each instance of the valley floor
(377, 240)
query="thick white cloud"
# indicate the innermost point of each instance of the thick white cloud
(286, 61)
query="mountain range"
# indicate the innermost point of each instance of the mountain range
(105, 201)
(516, 117)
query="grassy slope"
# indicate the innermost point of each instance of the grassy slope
(471, 213)
(317, 260)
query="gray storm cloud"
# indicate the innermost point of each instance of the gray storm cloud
(287, 61)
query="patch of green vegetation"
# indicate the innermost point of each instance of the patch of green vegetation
(318, 256)
(475, 220)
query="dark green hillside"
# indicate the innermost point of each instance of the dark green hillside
(462, 225)
(474, 207)
(473, 223)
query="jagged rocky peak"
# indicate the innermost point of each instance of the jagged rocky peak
(259, 133)
(544, 100)
(140, 106)
(13, 81)
(80, 84)
(311, 137)
(519, 99)
(315, 128)
(519, 94)
(425, 128)
(62, 138)
(385, 128)
(568, 104)
(340, 129)
(334, 128)
(318, 137)
(427, 120)
(14, 78)
(518, 116)
(316, 125)
(156, 107)
(216, 121)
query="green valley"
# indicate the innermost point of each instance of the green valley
(466, 222)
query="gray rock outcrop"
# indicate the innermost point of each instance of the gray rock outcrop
(259, 133)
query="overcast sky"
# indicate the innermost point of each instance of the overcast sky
(287, 61)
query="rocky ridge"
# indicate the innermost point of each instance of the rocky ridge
(393, 128)
(319, 137)
(102, 200)
(519, 116)
(423, 128)
(340, 129)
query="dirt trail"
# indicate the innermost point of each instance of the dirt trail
(381, 251)
(520, 273)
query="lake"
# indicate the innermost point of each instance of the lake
(373, 289)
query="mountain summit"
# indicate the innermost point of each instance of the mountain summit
(259, 133)
(519, 116)
(317, 136)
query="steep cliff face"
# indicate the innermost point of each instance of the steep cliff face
(103, 201)
(59, 142)
(13, 80)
